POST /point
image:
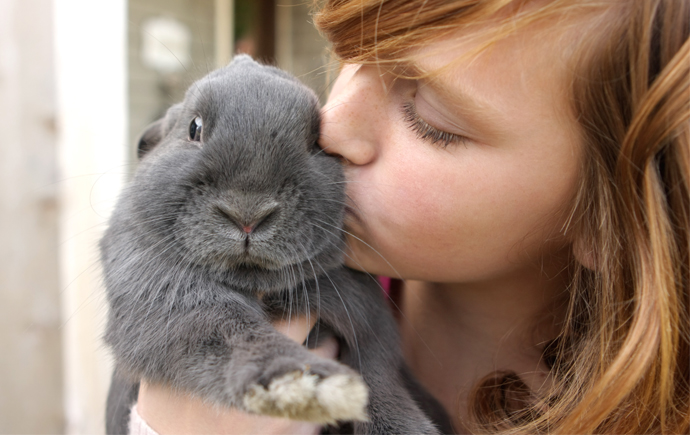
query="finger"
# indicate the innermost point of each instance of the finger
(297, 328)
(328, 348)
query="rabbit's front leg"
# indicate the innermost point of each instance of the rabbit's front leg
(230, 354)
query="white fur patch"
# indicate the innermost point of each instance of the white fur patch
(304, 396)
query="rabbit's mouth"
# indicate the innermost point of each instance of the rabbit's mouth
(249, 261)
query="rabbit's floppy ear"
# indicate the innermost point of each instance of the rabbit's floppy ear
(150, 138)
(156, 131)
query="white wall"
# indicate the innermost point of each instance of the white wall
(90, 41)
(30, 357)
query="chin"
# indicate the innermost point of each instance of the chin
(353, 256)
(352, 264)
(361, 257)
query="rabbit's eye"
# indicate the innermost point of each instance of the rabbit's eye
(195, 129)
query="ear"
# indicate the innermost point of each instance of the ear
(584, 254)
(155, 132)
(150, 138)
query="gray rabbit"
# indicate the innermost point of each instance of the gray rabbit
(233, 220)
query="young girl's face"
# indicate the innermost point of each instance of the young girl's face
(462, 178)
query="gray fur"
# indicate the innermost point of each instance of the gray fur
(192, 295)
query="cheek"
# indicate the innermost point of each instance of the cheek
(441, 218)
(429, 207)
(419, 214)
(452, 215)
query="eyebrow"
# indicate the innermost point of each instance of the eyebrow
(459, 99)
(464, 97)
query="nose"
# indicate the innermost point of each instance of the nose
(248, 218)
(353, 119)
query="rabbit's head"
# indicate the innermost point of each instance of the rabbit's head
(232, 180)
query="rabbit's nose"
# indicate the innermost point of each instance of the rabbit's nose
(249, 219)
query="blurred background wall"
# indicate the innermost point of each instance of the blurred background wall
(79, 80)
(30, 342)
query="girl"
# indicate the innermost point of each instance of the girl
(524, 168)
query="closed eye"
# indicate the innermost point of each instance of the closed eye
(428, 133)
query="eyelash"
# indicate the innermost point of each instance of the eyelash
(424, 131)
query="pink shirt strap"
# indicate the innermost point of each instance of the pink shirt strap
(385, 283)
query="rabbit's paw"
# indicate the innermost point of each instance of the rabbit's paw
(302, 395)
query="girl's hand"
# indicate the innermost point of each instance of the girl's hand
(171, 412)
